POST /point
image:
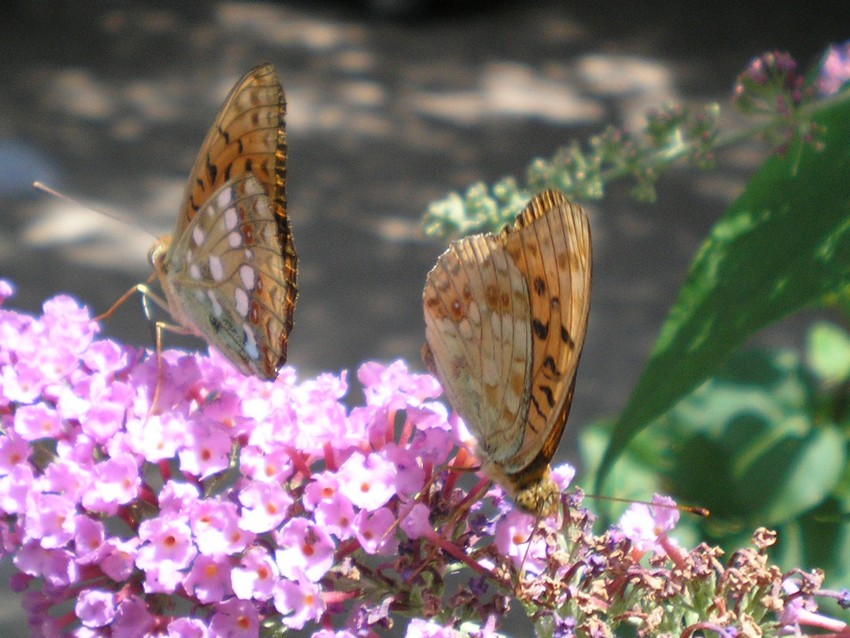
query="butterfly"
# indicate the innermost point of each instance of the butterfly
(506, 316)
(229, 270)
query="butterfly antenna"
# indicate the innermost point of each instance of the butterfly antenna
(696, 510)
(44, 188)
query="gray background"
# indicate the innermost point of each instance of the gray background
(110, 101)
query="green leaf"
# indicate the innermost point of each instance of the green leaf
(829, 352)
(750, 451)
(783, 245)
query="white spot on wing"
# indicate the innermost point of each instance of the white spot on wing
(195, 272)
(198, 235)
(216, 268)
(250, 343)
(247, 274)
(230, 218)
(241, 302)
(234, 240)
(224, 200)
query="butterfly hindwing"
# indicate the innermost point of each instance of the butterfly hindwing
(229, 275)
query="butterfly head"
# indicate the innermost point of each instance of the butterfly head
(157, 253)
(541, 499)
(537, 495)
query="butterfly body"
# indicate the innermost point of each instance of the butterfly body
(506, 317)
(229, 270)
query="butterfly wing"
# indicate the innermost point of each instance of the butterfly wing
(227, 278)
(230, 271)
(506, 318)
(551, 245)
(247, 136)
(478, 334)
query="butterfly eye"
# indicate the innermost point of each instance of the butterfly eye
(157, 252)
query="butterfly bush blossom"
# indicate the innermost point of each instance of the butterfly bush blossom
(239, 507)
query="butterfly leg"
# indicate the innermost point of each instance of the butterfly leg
(146, 292)
(160, 369)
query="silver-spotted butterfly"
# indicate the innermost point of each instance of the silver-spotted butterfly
(506, 316)
(229, 269)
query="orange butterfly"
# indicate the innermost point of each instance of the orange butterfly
(229, 270)
(506, 316)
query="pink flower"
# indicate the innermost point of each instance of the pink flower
(14, 451)
(37, 421)
(367, 481)
(216, 528)
(206, 451)
(187, 628)
(336, 516)
(176, 497)
(236, 619)
(515, 538)
(157, 437)
(306, 549)
(89, 538)
(95, 608)
(374, 531)
(119, 558)
(644, 524)
(56, 566)
(166, 542)
(15, 488)
(50, 519)
(133, 618)
(272, 466)
(394, 387)
(835, 69)
(255, 576)
(299, 601)
(117, 481)
(419, 628)
(327, 633)
(409, 474)
(323, 487)
(209, 579)
(563, 475)
(417, 524)
(264, 506)
(6, 290)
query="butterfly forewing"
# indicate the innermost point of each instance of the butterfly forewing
(551, 246)
(247, 136)
(229, 272)
(506, 317)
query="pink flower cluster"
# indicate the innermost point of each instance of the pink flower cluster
(238, 507)
(246, 502)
